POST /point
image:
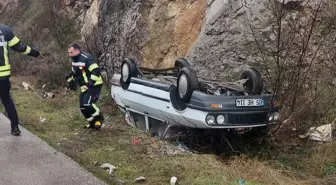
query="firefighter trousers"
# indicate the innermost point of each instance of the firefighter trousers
(88, 107)
(8, 103)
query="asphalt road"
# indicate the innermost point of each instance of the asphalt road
(27, 160)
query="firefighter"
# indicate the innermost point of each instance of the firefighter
(86, 73)
(9, 40)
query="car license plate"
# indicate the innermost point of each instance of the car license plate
(249, 102)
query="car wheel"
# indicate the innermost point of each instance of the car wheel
(175, 100)
(186, 83)
(179, 64)
(128, 70)
(254, 83)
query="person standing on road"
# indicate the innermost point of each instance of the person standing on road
(86, 72)
(8, 39)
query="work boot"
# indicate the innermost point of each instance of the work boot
(15, 131)
(99, 121)
(98, 125)
(90, 125)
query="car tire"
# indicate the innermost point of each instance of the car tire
(255, 83)
(187, 83)
(179, 64)
(128, 70)
(177, 103)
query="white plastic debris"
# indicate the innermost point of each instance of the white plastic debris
(109, 166)
(42, 119)
(321, 133)
(173, 180)
(26, 86)
(50, 95)
(120, 181)
(140, 179)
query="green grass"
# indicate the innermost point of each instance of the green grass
(63, 130)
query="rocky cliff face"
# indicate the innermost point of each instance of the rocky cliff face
(217, 36)
(153, 32)
(233, 31)
(224, 41)
(8, 5)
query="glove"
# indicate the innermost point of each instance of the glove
(34, 53)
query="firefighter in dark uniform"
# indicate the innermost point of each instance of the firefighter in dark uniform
(86, 73)
(9, 40)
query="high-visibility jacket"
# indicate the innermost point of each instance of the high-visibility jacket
(9, 40)
(85, 71)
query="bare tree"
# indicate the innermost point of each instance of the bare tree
(295, 61)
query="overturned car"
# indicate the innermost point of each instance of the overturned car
(160, 99)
